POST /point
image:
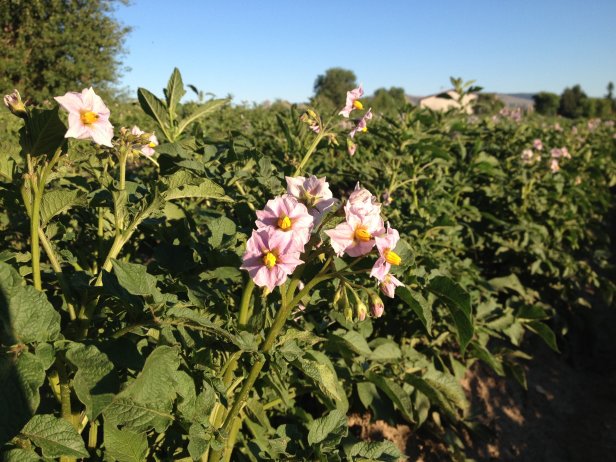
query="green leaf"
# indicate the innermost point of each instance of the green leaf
(195, 316)
(384, 451)
(395, 393)
(419, 305)
(451, 291)
(20, 455)
(459, 303)
(94, 382)
(56, 437)
(510, 282)
(328, 430)
(448, 385)
(386, 351)
(43, 133)
(137, 416)
(201, 111)
(156, 109)
(174, 92)
(367, 392)
(20, 380)
(148, 401)
(31, 373)
(544, 332)
(218, 227)
(206, 189)
(25, 313)
(125, 445)
(352, 341)
(135, 278)
(482, 353)
(58, 201)
(441, 389)
(317, 366)
(198, 440)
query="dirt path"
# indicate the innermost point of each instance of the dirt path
(569, 410)
(568, 413)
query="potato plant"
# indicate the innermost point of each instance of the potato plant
(232, 283)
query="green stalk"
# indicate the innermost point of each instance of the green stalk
(279, 321)
(35, 250)
(242, 322)
(311, 149)
(230, 443)
(92, 435)
(122, 171)
(65, 398)
(55, 264)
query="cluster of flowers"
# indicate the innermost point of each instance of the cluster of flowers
(555, 155)
(512, 114)
(285, 225)
(362, 230)
(88, 119)
(530, 157)
(352, 103)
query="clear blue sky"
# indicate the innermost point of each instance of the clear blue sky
(267, 49)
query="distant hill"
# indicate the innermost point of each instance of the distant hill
(522, 100)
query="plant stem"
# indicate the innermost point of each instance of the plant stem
(92, 434)
(55, 264)
(279, 321)
(242, 322)
(245, 303)
(122, 185)
(35, 251)
(230, 443)
(311, 149)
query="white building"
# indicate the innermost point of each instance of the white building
(448, 100)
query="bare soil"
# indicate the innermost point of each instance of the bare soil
(568, 413)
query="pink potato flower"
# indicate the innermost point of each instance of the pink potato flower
(313, 192)
(270, 257)
(554, 165)
(352, 101)
(527, 156)
(355, 236)
(386, 243)
(362, 202)
(147, 149)
(565, 153)
(537, 144)
(351, 147)
(88, 117)
(287, 215)
(362, 124)
(389, 284)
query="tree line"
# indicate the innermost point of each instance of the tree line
(574, 103)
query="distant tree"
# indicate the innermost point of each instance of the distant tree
(334, 84)
(610, 91)
(546, 103)
(572, 102)
(597, 107)
(487, 103)
(52, 46)
(387, 101)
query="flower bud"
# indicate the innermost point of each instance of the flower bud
(338, 295)
(348, 313)
(362, 310)
(15, 104)
(376, 305)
